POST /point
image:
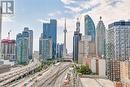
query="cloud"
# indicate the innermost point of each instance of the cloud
(43, 20)
(68, 1)
(113, 2)
(53, 14)
(81, 6)
(74, 9)
(7, 19)
(110, 10)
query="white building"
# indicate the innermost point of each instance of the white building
(83, 49)
(98, 66)
(118, 40)
(102, 67)
(125, 70)
(87, 49)
(93, 65)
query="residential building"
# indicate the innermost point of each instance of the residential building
(118, 40)
(8, 51)
(23, 42)
(113, 70)
(125, 71)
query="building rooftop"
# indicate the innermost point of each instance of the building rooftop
(119, 23)
(7, 41)
(91, 82)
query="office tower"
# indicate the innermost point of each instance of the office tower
(8, 50)
(46, 50)
(60, 50)
(23, 42)
(40, 46)
(50, 31)
(76, 39)
(30, 43)
(100, 39)
(89, 27)
(64, 49)
(118, 40)
(90, 32)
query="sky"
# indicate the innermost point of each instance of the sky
(33, 13)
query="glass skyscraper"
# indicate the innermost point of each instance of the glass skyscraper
(19, 47)
(23, 44)
(45, 48)
(50, 31)
(60, 50)
(40, 45)
(76, 39)
(90, 27)
(30, 41)
(22, 48)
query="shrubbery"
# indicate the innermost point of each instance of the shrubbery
(84, 70)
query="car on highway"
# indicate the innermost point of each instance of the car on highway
(66, 81)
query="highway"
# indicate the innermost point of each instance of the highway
(9, 77)
(30, 79)
(59, 81)
(52, 77)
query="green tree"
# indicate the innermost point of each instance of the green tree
(84, 70)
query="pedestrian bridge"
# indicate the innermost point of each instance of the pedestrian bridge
(67, 59)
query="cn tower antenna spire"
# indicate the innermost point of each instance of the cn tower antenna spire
(65, 23)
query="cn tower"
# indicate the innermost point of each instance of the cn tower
(64, 49)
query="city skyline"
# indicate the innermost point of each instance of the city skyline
(59, 9)
(65, 43)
